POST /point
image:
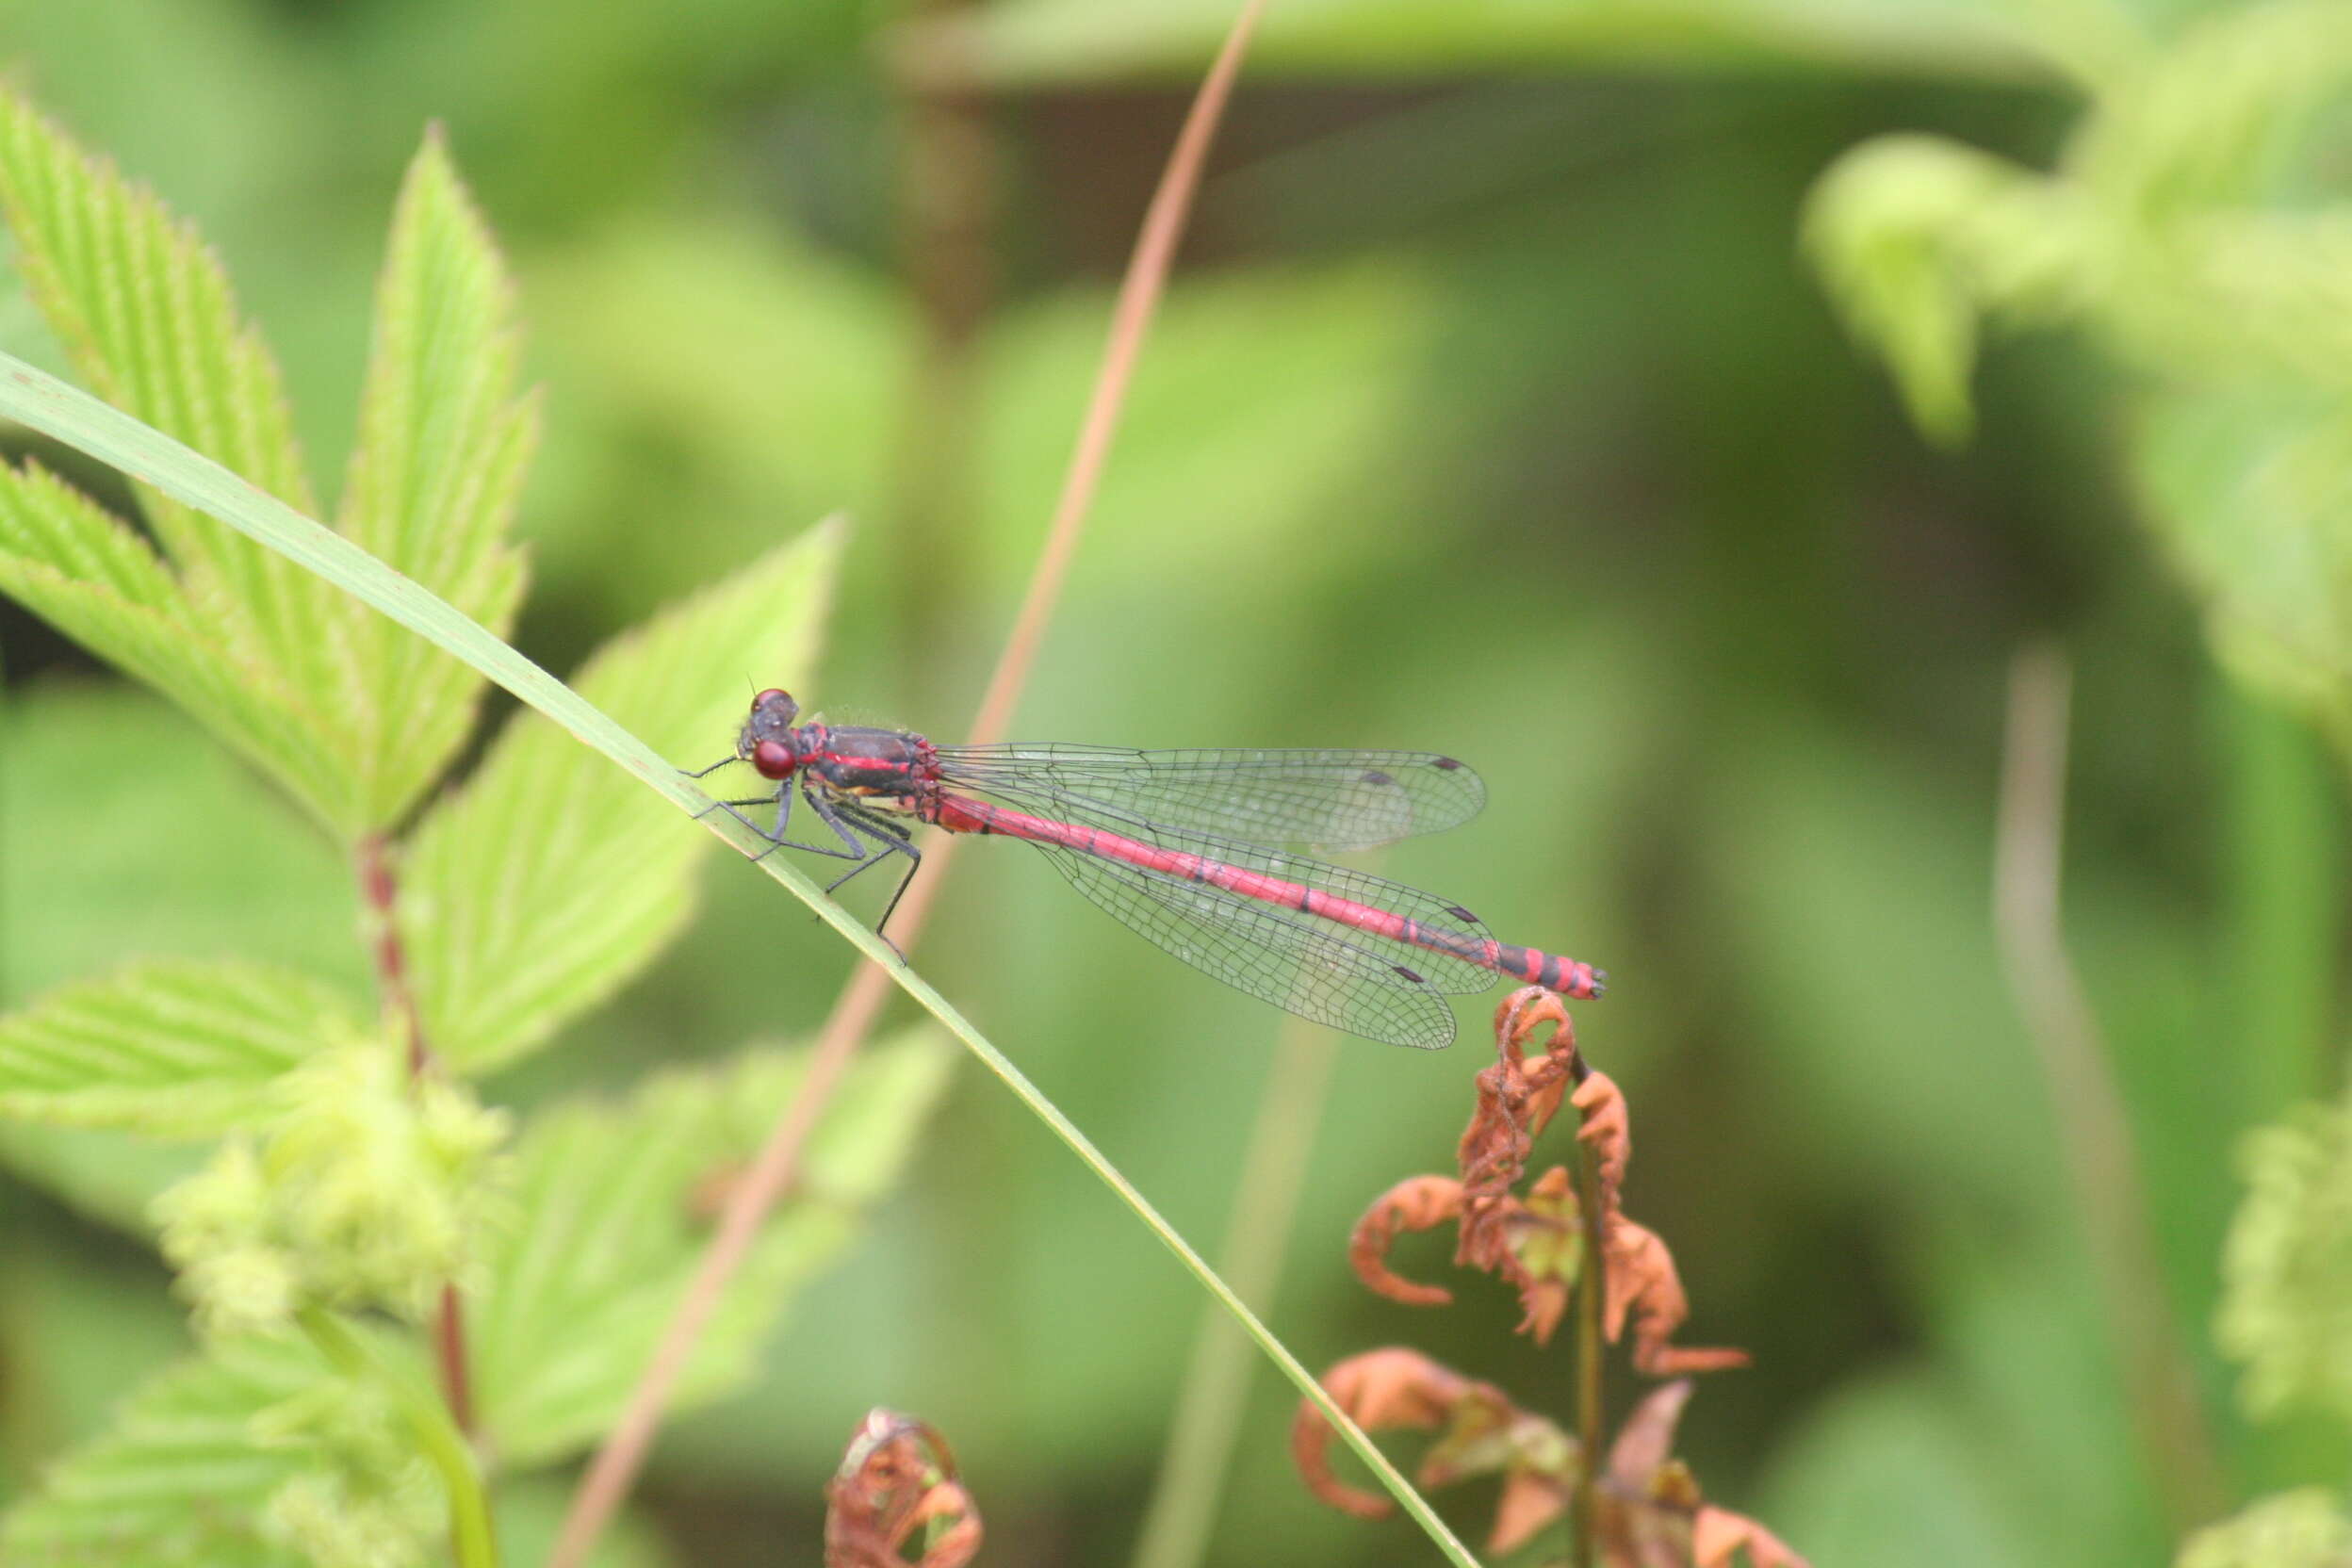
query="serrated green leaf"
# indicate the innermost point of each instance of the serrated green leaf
(173, 1048)
(616, 1206)
(180, 1479)
(443, 445)
(147, 315)
(551, 879)
(63, 557)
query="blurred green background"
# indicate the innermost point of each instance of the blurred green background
(1493, 410)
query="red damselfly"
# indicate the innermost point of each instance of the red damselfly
(1187, 848)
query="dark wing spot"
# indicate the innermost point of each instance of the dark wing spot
(1374, 776)
(1460, 913)
(1409, 974)
(1445, 763)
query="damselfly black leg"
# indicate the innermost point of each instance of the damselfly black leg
(898, 839)
(889, 839)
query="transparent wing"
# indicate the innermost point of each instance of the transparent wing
(1330, 799)
(1439, 972)
(1311, 968)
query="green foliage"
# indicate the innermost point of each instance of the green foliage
(2173, 230)
(169, 1048)
(617, 1202)
(2288, 1311)
(146, 314)
(351, 713)
(350, 1182)
(2296, 1530)
(253, 1453)
(552, 878)
(443, 446)
(366, 1191)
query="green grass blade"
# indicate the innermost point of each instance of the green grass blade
(115, 439)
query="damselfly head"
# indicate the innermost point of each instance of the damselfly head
(768, 743)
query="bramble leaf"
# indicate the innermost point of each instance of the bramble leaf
(173, 1048)
(443, 445)
(551, 878)
(254, 1453)
(147, 316)
(617, 1199)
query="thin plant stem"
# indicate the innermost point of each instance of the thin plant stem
(1592, 1299)
(614, 1468)
(1216, 1390)
(382, 891)
(443, 1445)
(2095, 1136)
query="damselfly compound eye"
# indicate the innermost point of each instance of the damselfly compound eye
(774, 758)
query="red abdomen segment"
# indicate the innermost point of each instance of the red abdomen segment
(957, 815)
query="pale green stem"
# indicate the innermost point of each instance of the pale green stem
(443, 1445)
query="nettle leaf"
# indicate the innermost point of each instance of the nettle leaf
(552, 878)
(174, 1047)
(182, 1476)
(145, 312)
(444, 442)
(620, 1199)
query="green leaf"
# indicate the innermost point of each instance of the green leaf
(2249, 488)
(551, 879)
(146, 313)
(171, 1049)
(443, 446)
(181, 1476)
(616, 1202)
(1916, 238)
(62, 556)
